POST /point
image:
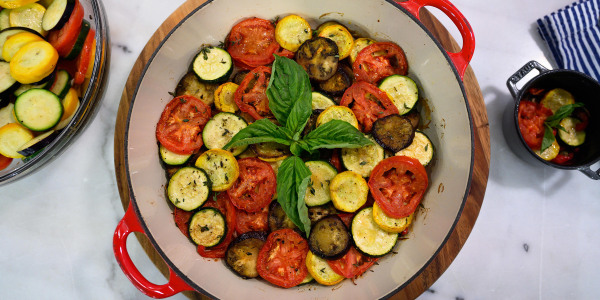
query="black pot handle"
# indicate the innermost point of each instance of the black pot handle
(590, 173)
(522, 72)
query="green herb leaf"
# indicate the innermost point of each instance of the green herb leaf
(261, 131)
(292, 181)
(290, 96)
(548, 138)
(563, 112)
(335, 134)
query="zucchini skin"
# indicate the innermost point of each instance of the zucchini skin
(370, 239)
(180, 186)
(212, 56)
(204, 226)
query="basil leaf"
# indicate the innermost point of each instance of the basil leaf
(334, 134)
(563, 112)
(548, 139)
(290, 96)
(261, 131)
(292, 181)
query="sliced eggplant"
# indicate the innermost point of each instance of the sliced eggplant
(242, 253)
(316, 213)
(414, 117)
(393, 132)
(278, 219)
(319, 57)
(239, 76)
(339, 82)
(38, 143)
(271, 151)
(57, 14)
(191, 85)
(329, 238)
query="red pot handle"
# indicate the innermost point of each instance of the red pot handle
(460, 59)
(130, 224)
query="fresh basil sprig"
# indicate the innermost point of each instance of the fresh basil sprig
(290, 101)
(553, 121)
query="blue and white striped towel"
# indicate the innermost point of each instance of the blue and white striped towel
(573, 35)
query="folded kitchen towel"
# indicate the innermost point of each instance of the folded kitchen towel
(573, 36)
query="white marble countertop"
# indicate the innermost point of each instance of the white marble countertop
(534, 237)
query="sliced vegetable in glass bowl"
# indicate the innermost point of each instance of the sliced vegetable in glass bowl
(65, 84)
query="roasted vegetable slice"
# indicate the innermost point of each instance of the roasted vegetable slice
(320, 270)
(341, 36)
(393, 132)
(402, 90)
(316, 213)
(388, 223)
(317, 191)
(337, 112)
(569, 134)
(329, 238)
(368, 237)
(339, 82)
(212, 65)
(219, 130)
(421, 148)
(208, 227)
(278, 219)
(320, 101)
(359, 44)
(362, 160)
(224, 97)
(191, 85)
(319, 57)
(349, 191)
(189, 188)
(220, 166)
(242, 253)
(292, 31)
(12, 137)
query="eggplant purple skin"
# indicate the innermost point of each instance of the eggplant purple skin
(39, 145)
(335, 225)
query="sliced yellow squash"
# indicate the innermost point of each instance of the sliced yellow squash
(358, 45)
(224, 97)
(388, 223)
(348, 191)
(33, 62)
(341, 36)
(70, 105)
(292, 31)
(320, 270)
(15, 3)
(337, 112)
(28, 15)
(14, 43)
(221, 167)
(12, 137)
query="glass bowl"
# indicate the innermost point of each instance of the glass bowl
(89, 102)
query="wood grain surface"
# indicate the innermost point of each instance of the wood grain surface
(480, 169)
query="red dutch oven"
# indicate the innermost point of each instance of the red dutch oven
(439, 77)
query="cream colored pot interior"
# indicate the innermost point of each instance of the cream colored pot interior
(450, 130)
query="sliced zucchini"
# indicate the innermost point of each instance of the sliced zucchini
(171, 158)
(278, 219)
(224, 100)
(208, 227)
(271, 151)
(61, 84)
(316, 213)
(368, 237)
(212, 65)
(6, 115)
(362, 160)
(219, 130)
(38, 109)
(339, 82)
(189, 188)
(43, 84)
(242, 253)
(329, 238)
(319, 57)
(421, 149)
(402, 90)
(12, 137)
(80, 41)
(393, 132)
(337, 112)
(568, 134)
(4, 21)
(7, 83)
(220, 166)
(556, 98)
(38, 143)
(14, 43)
(10, 31)
(317, 192)
(359, 44)
(341, 36)
(349, 191)
(191, 85)
(29, 15)
(388, 223)
(320, 270)
(320, 101)
(292, 31)
(70, 105)
(57, 14)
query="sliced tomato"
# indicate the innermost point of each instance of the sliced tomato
(379, 60)
(83, 61)
(352, 264)
(563, 157)
(368, 103)
(179, 128)
(182, 220)
(64, 39)
(346, 218)
(254, 188)
(532, 116)
(251, 95)
(251, 43)
(4, 161)
(398, 184)
(223, 204)
(335, 161)
(285, 53)
(282, 259)
(252, 221)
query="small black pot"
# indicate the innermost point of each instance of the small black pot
(584, 88)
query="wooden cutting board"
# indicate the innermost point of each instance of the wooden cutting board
(480, 169)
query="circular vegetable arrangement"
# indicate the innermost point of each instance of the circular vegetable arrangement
(295, 154)
(47, 50)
